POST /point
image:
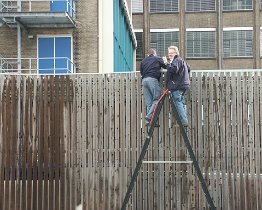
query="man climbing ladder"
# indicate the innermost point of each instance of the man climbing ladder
(146, 144)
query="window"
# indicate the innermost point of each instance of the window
(200, 5)
(137, 6)
(201, 44)
(54, 55)
(62, 6)
(229, 5)
(140, 45)
(163, 6)
(238, 43)
(161, 40)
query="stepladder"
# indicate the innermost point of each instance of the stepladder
(152, 125)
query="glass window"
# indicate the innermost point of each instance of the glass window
(163, 5)
(201, 44)
(137, 6)
(260, 41)
(162, 40)
(62, 6)
(140, 45)
(200, 5)
(229, 5)
(54, 55)
(238, 43)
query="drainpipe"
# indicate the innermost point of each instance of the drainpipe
(19, 37)
(256, 35)
(182, 26)
(219, 35)
(146, 27)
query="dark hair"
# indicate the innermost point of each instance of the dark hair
(151, 52)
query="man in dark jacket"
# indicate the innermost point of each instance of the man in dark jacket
(150, 72)
(178, 81)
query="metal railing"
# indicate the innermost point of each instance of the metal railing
(37, 6)
(50, 65)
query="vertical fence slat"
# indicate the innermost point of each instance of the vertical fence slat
(62, 163)
(234, 139)
(35, 140)
(118, 163)
(102, 164)
(90, 185)
(124, 170)
(256, 139)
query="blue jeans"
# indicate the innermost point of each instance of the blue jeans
(152, 93)
(179, 99)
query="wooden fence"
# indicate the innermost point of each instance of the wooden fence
(70, 140)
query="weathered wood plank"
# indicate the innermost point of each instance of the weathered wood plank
(48, 145)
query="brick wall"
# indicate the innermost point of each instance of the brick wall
(86, 36)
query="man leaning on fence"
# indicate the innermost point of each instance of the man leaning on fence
(178, 81)
(150, 72)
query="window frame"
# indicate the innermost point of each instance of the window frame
(143, 47)
(231, 29)
(165, 45)
(56, 36)
(149, 8)
(195, 11)
(201, 30)
(137, 12)
(237, 9)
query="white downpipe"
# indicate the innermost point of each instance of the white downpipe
(106, 38)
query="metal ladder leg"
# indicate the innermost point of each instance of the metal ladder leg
(144, 150)
(192, 155)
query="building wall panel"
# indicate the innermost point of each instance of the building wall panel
(200, 20)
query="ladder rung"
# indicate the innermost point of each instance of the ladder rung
(166, 162)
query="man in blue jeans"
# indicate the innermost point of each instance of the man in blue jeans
(178, 81)
(150, 71)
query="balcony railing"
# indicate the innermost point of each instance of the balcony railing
(38, 6)
(58, 65)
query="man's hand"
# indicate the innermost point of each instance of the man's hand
(164, 59)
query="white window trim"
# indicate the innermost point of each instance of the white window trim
(238, 29)
(138, 30)
(164, 30)
(201, 29)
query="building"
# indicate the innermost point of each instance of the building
(66, 36)
(211, 34)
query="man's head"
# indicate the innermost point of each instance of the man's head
(151, 52)
(172, 52)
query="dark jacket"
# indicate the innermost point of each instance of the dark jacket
(178, 74)
(150, 67)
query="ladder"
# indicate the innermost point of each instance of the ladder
(155, 117)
